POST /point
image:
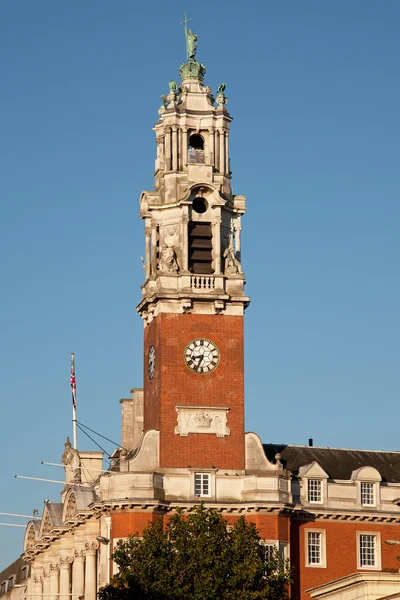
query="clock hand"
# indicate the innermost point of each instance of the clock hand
(201, 357)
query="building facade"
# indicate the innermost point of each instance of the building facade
(334, 513)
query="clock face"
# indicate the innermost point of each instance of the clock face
(151, 363)
(201, 356)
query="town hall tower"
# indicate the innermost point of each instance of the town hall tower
(193, 297)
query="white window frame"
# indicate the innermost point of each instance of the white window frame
(377, 550)
(322, 537)
(3, 585)
(372, 487)
(282, 547)
(202, 477)
(321, 493)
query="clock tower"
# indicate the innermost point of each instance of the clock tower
(193, 297)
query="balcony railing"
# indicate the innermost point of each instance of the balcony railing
(202, 283)
(196, 156)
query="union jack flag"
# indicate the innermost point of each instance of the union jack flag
(73, 381)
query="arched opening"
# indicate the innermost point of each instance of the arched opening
(196, 142)
(196, 149)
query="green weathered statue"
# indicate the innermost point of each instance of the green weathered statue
(221, 89)
(191, 43)
(173, 86)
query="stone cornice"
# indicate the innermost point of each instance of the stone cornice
(302, 514)
(111, 506)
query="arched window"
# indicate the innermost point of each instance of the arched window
(196, 149)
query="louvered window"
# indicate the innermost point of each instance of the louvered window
(200, 248)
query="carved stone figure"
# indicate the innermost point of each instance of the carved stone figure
(232, 265)
(71, 461)
(168, 261)
(173, 86)
(191, 41)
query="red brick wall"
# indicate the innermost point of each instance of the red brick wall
(341, 552)
(174, 384)
(152, 387)
(271, 527)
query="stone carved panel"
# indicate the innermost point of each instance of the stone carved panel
(202, 419)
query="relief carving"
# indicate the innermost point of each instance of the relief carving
(196, 419)
(71, 507)
(168, 260)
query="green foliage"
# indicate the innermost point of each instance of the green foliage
(197, 557)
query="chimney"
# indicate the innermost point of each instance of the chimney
(310, 442)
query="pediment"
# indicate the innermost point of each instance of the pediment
(366, 474)
(70, 507)
(312, 470)
(46, 525)
(31, 535)
(207, 191)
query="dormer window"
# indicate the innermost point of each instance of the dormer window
(367, 490)
(315, 491)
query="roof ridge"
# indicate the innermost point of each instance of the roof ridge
(334, 448)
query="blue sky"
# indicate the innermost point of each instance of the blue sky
(314, 90)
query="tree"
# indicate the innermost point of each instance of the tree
(197, 557)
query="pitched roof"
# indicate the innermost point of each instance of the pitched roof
(339, 463)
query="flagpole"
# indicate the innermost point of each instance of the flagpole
(73, 388)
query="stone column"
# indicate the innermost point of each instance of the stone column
(167, 142)
(227, 151)
(147, 233)
(37, 587)
(175, 148)
(238, 244)
(185, 239)
(90, 570)
(78, 574)
(65, 577)
(222, 151)
(54, 581)
(217, 245)
(46, 582)
(153, 248)
(211, 146)
(184, 149)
